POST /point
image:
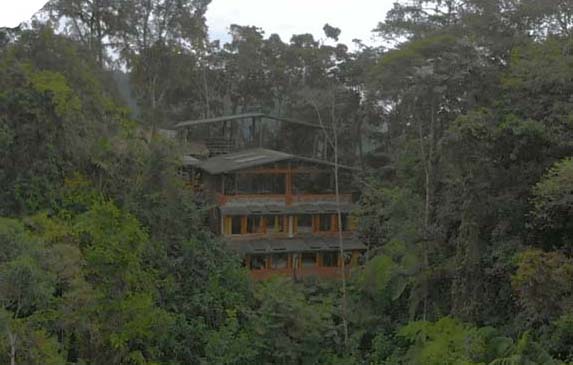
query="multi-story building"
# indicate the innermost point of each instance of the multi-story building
(279, 210)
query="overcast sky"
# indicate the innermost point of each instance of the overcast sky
(356, 18)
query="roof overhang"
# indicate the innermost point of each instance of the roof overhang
(272, 208)
(295, 245)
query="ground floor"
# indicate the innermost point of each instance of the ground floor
(300, 258)
(299, 265)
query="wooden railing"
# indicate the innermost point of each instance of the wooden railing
(219, 146)
(285, 235)
(301, 273)
(288, 199)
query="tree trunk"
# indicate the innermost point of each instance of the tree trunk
(428, 156)
(12, 340)
(340, 241)
(332, 140)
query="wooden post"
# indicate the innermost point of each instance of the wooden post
(244, 224)
(253, 131)
(334, 223)
(261, 132)
(288, 187)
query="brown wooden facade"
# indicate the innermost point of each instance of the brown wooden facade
(282, 215)
(302, 265)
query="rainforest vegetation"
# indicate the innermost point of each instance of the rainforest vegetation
(466, 206)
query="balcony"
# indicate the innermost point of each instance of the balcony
(284, 200)
(302, 273)
(298, 266)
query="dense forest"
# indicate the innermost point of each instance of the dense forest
(467, 188)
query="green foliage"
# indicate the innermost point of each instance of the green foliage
(113, 243)
(56, 107)
(231, 344)
(553, 204)
(447, 341)
(106, 258)
(559, 338)
(444, 342)
(291, 328)
(543, 284)
(55, 86)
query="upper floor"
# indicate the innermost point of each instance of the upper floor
(223, 135)
(279, 226)
(271, 176)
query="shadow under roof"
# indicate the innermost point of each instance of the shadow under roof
(244, 207)
(291, 245)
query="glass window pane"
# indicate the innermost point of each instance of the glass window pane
(347, 258)
(280, 261)
(313, 183)
(275, 223)
(330, 259)
(325, 222)
(308, 260)
(260, 184)
(344, 220)
(254, 224)
(304, 223)
(236, 224)
(258, 262)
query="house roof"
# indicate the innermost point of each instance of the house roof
(310, 244)
(251, 158)
(237, 117)
(190, 161)
(241, 160)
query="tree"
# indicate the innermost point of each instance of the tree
(291, 328)
(553, 205)
(26, 288)
(57, 111)
(94, 23)
(543, 285)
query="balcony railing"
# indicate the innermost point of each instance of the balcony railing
(286, 199)
(301, 273)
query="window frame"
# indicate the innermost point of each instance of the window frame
(265, 260)
(287, 262)
(302, 263)
(336, 259)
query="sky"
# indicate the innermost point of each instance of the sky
(356, 18)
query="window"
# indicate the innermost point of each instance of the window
(308, 260)
(279, 261)
(236, 224)
(275, 223)
(325, 222)
(313, 183)
(260, 184)
(304, 223)
(255, 224)
(330, 259)
(258, 262)
(347, 258)
(344, 220)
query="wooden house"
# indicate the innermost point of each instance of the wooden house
(279, 210)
